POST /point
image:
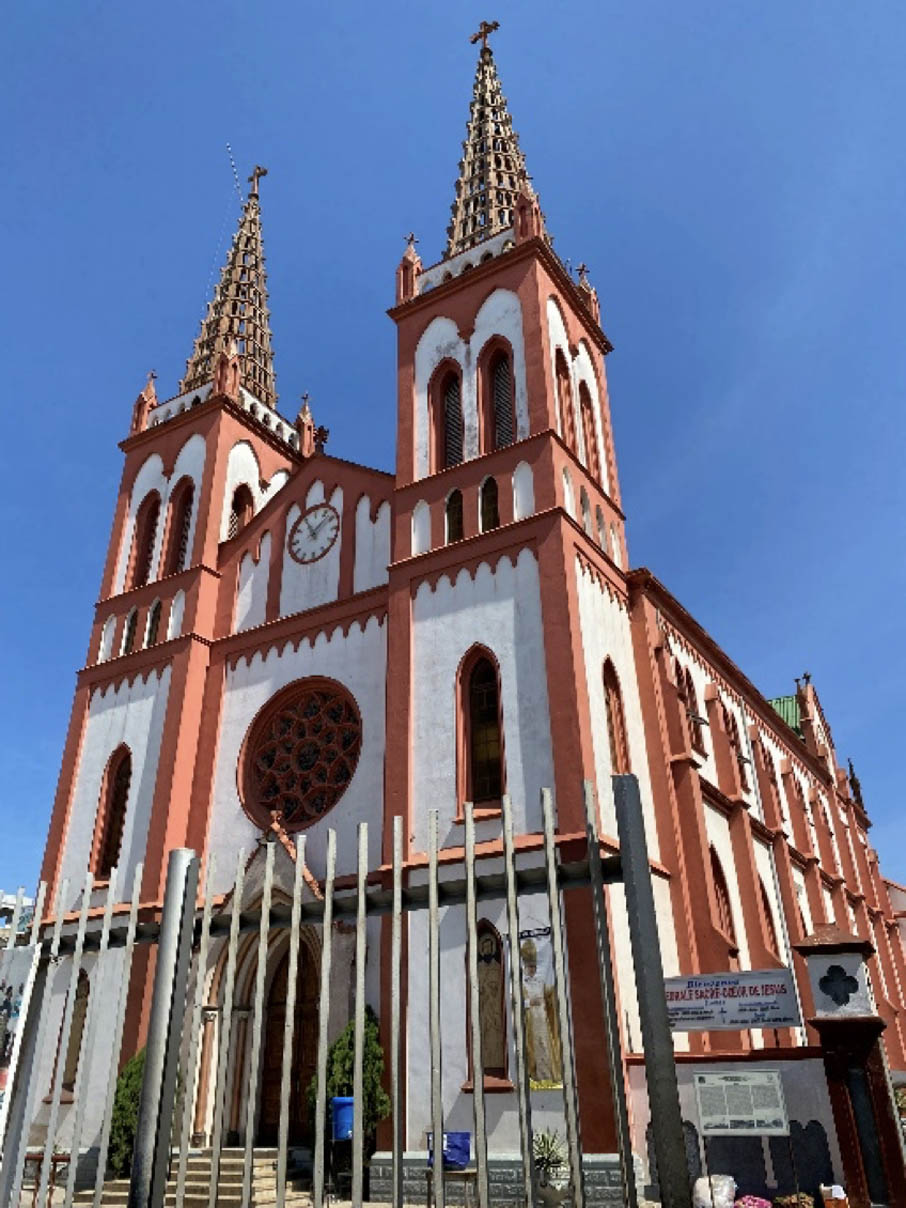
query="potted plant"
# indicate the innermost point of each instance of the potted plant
(549, 1156)
(798, 1199)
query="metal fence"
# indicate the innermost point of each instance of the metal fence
(191, 922)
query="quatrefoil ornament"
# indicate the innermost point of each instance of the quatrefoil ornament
(838, 985)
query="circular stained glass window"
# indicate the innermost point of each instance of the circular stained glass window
(300, 754)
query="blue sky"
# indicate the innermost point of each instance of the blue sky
(733, 173)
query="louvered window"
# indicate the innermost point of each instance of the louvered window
(490, 515)
(452, 406)
(129, 633)
(145, 534)
(485, 747)
(153, 624)
(454, 517)
(501, 375)
(113, 812)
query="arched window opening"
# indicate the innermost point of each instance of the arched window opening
(615, 552)
(569, 501)
(722, 896)
(491, 1002)
(732, 728)
(129, 632)
(242, 509)
(180, 524)
(446, 419)
(769, 917)
(616, 721)
(454, 517)
(145, 533)
(601, 526)
(112, 813)
(500, 381)
(586, 512)
(76, 1032)
(153, 624)
(588, 431)
(484, 737)
(692, 711)
(565, 401)
(490, 513)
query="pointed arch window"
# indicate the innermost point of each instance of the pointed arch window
(769, 916)
(482, 768)
(616, 721)
(722, 897)
(454, 517)
(601, 526)
(491, 1003)
(490, 513)
(498, 389)
(565, 401)
(153, 624)
(112, 812)
(692, 712)
(76, 1032)
(180, 525)
(129, 632)
(145, 534)
(585, 508)
(446, 420)
(242, 508)
(732, 728)
(588, 431)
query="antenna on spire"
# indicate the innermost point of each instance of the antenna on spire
(235, 173)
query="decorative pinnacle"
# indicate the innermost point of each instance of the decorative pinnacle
(492, 171)
(484, 29)
(239, 311)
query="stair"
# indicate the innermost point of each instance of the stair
(198, 1183)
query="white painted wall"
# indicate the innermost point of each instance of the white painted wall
(307, 586)
(242, 467)
(499, 315)
(251, 598)
(500, 609)
(358, 661)
(372, 545)
(523, 491)
(132, 714)
(421, 528)
(606, 634)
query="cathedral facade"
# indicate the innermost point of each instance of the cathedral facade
(287, 642)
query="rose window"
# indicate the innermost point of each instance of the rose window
(300, 754)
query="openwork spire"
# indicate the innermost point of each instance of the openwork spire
(238, 311)
(492, 169)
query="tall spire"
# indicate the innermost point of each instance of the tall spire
(492, 169)
(238, 311)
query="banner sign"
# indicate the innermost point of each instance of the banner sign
(749, 1103)
(760, 998)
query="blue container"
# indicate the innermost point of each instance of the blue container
(341, 1117)
(457, 1150)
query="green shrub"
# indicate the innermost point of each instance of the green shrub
(340, 1059)
(125, 1116)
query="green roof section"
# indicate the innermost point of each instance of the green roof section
(788, 708)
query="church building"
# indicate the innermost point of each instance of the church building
(287, 643)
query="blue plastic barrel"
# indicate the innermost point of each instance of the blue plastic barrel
(341, 1115)
(457, 1150)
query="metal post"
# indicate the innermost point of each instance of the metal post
(155, 1110)
(434, 1038)
(396, 961)
(481, 1139)
(657, 1040)
(361, 948)
(323, 1019)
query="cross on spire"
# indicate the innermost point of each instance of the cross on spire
(481, 34)
(411, 239)
(254, 178)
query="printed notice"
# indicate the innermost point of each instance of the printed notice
(759, 998)
(749, 1102)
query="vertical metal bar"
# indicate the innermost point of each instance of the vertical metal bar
(65, 1029)
(43, 1021)
(26, 1023)
(117, 1037)
(226, 1021)
(150, 1159)
(94, 1011)
(257, 1008)
(361, 949)
(201, 978)
(37, 916)
(609, 1000)
(289, 1022)
(437, 1096)
(323, 1011)
(657, 1040)
(14, 921)
(396, 961)
(523, 1091)
(481, 1139)
(570, 1104)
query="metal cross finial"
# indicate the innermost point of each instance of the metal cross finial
(807, 676)
(411, 239)
(582, 270)
(255, 177)
(485, 28)
(305, 397)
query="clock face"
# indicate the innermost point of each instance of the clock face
(314, 533)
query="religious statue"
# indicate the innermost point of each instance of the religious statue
(542, 1030)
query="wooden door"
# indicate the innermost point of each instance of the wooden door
(305, 1051)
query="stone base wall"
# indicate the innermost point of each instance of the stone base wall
(602, 1179)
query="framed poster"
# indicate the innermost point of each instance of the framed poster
(740, 1103)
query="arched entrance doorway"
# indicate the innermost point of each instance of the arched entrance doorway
(305, 1050)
